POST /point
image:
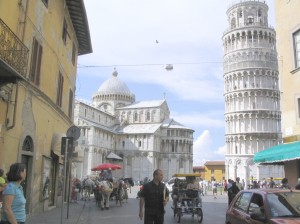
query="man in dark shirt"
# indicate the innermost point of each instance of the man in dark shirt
(154, 196)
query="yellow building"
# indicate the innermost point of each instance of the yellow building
(39, 45)
(214, 170)
(288, 46)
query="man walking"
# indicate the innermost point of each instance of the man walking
(154, 197)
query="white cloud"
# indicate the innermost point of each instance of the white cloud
(203, 150)
(211, 119)
(221, 150)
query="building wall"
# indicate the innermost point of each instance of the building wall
(214, 171)
(35, 119)
(286, 27)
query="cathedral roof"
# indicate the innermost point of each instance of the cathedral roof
(139, 129)
(114, 86)
(145, 104)
(171, 123)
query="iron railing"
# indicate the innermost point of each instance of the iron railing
(12, 50)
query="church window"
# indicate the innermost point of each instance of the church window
(129, 161)
(233, 23)
(168, 133)
(259, 13)
(135, 117)
(173, 147)
(181, 163)
(148, 116)
(99, 119)
(250, 20)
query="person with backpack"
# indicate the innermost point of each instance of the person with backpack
(232, 190)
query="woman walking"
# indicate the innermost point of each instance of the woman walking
(13, 197)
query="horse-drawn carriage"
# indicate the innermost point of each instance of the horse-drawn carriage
(186, 196)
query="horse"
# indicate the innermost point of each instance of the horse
(120, 192)
(88, 186)
(105, 187)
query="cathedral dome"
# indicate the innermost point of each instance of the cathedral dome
(114, 86)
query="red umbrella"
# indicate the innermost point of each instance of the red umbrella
(106, 166)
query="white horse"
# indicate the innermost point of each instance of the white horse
(106, 188)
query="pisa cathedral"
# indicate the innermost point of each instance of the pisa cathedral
(141, 133)
(252, 95)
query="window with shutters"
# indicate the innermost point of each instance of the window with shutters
(36, 60)
(60, 85)
(65, 32)
(296, 38)
(71, 97)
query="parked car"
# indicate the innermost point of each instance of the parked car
(264, 206)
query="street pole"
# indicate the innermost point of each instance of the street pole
(64, 182)
(69, 185)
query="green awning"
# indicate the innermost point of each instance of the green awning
(278, 153)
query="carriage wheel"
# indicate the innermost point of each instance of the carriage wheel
(199, 215)
(178, 215)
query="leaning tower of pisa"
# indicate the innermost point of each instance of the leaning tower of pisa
(251, 91)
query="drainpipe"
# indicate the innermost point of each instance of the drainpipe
(15, 109)
(25, 18)
(17, 86)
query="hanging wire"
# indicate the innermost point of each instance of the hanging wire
(138, 65)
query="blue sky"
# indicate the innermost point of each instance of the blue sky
(124, 36)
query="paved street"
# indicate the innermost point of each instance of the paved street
(88, 213)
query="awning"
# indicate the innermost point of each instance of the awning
(113, 156)
(279, 153)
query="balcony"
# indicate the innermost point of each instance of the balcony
(13, 56)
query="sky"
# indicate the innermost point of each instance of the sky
(139, 38)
